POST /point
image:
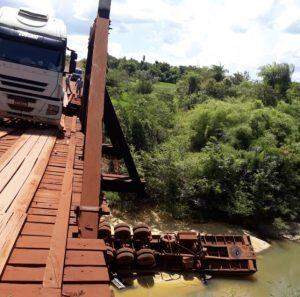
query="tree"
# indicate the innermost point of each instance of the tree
(219, 72)
(238, 77)
(130, 66)
(278, 76)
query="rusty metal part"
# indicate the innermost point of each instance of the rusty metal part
(145, 258)
(169, 242)
(104, 231)
(110, 254)
(188, 263)
(125, 256)
(142, 232)
(122, 231)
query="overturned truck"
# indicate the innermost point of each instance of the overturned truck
(141, 252)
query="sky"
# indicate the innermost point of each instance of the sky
(242, 35)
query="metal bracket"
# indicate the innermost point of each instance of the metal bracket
(80, 208)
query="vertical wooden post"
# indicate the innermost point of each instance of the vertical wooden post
(91, 188)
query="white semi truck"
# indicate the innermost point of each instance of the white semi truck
(32, 63)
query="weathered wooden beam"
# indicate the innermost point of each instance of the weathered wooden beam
(53, 276)
(110, 151)
(118, 140)
(91, 187)
(121, 184)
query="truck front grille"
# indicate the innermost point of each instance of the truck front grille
(20, 108)
(22, 80)
(21, 86)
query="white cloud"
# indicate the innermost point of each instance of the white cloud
(83, 9)
(115, 49)
(242, 35)
(44, 6)
(78, 43)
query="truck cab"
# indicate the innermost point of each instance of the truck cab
(32, 62)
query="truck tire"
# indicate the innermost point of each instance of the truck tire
(145, 258)
(122, 231)
(125, 256)
(110, 254)
(104, 231)
(142, 232)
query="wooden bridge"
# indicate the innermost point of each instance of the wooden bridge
(52, 186)
(45, 175)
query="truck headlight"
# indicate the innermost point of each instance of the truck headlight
(52, 110)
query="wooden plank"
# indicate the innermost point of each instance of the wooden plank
(47, 194)
(50, 292)
(4, 219)
(13, 188)
(42, 211)
(28, 257)
(55, 262)
(26, 194)
(88, 222)
(33, 242)
(22, 274)
(19, 290)
(76, 199)
(86, 244)
(73, 230)
(40, 219)
(12, 166)
(86, 274)
(50, 187)
(3, 133)
(85, 258)
(9, 236)
(37, 229)
(8, 155)
(87, 290)
(44, 205)
(53, 199)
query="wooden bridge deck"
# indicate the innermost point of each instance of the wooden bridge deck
(40, 184)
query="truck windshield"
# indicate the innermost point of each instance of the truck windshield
(30, 55)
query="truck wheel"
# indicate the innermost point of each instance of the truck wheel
(145, 258)
(122, 231)
(125, 256)
(142, 232)
(104, 231)
(110, 254)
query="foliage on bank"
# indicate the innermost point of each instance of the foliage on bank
(210, 144)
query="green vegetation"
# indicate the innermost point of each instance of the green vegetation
(213, 145)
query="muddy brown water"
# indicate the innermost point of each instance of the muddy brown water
(278, 276)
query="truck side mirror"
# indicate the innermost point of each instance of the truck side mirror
(73, 62)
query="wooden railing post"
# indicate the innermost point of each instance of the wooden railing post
(91, 188)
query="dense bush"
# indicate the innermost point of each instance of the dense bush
(144, 87)
(214, 145)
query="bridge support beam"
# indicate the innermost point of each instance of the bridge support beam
(88, 221)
